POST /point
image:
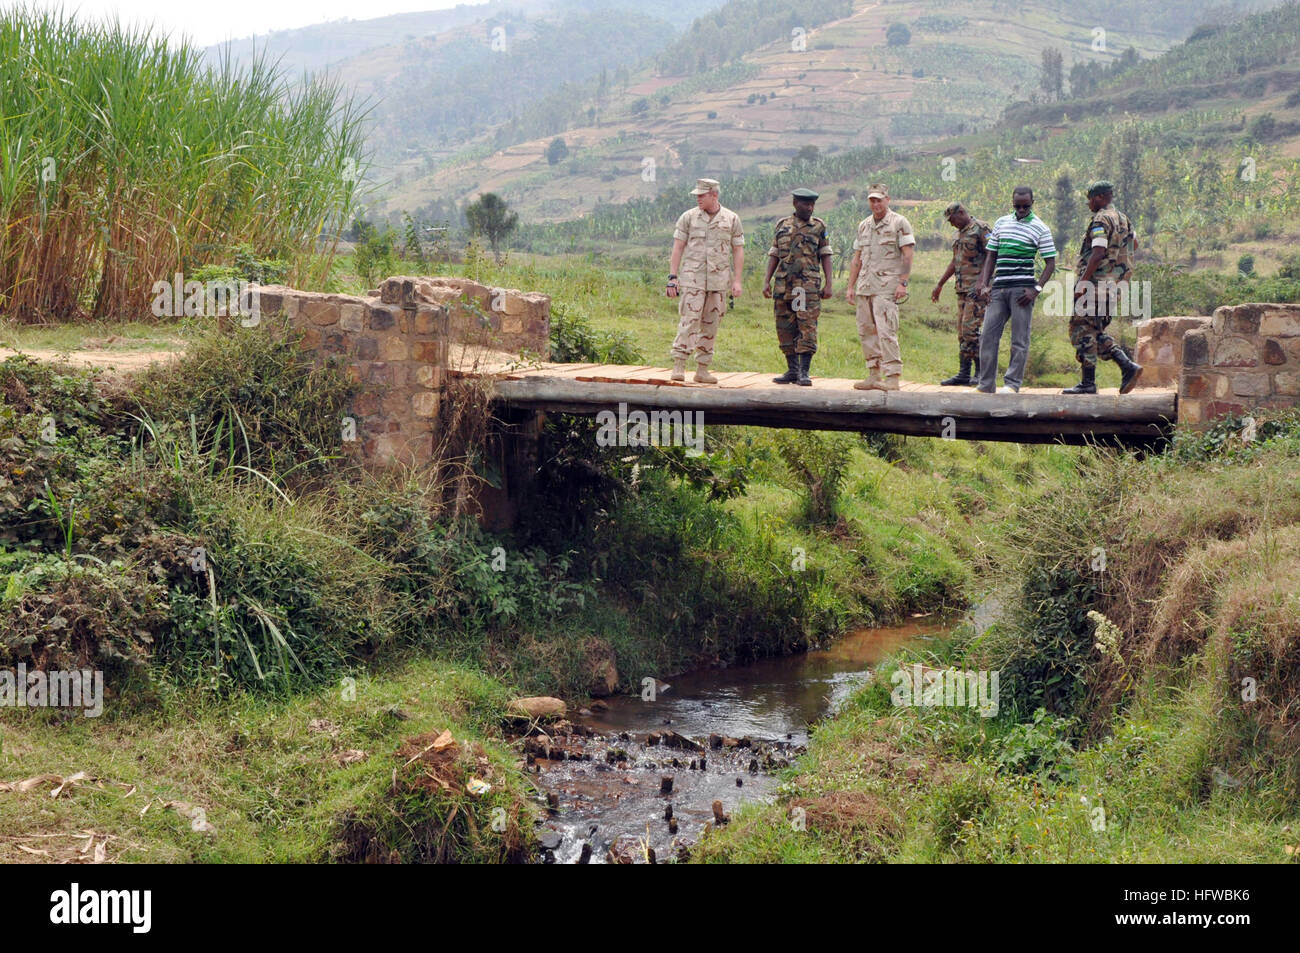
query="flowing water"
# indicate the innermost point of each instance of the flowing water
(716, 735)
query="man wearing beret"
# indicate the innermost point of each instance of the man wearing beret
(1103, 269)
(799, 258)
(968, 251)
(882, 261)
(709, 253)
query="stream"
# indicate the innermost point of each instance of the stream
(710, 741)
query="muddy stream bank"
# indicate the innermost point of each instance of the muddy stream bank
(653, 773)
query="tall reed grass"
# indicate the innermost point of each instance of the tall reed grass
(124, 161)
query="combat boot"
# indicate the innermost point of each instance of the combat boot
(679, 369)
(873, 378)
(889, 383)
(1086, 386)
(805, 364)
(702, 375)
(1130, 370)
(962, 378)
(975, 371)
(791, 374)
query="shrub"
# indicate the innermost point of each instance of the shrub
(819, 464)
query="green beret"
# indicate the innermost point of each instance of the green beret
(1101, 187)
(805, 194)
(953, 209)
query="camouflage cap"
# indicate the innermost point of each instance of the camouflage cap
(704, 186)
(1101, 187)
(952, 209)
(805, 194)
(878, 191)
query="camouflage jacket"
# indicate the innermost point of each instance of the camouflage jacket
(1108, 228)
(798, 248)
(969, 249)
(706, 260)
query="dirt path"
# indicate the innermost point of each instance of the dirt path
(122, 362)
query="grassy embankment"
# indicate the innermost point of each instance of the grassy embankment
(1171, 738)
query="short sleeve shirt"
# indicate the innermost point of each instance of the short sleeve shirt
(1018, 242)
(881, 244)
(1109, 228)
(798, 248)
(710, 242)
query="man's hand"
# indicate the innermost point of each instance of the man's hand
(735, 288)
(850, 296)
(900, 292)
(767, 289)
(1027, 297)
(934, 295)
(983, 293)
(827, 293)
(672, 288)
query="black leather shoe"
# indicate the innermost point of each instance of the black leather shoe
(1086, 386)
(791, 376)
(805, 362)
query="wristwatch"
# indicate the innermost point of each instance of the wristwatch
(1038, 288)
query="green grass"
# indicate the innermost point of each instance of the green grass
(270, 782)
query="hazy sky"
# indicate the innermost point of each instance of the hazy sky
(211, 22)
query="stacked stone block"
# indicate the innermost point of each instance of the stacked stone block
(1244, 357)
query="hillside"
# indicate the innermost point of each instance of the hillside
(959, 67)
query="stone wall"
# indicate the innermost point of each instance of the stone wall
(1245, 357)
(398, 344)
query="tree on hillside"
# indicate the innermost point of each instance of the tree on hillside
(898, 35)
(805, 156)
(557, 151)
(491, 217)
(1053, 76)
(1067, 205)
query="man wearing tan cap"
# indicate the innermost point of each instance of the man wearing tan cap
(882, 262)
(707, 262)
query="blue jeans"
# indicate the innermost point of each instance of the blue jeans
(1003, 305)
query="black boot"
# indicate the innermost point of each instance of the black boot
(975, 371)
(1086, 386)
(791, 376)
(805, 363)
(1130, 370)
(962, 377)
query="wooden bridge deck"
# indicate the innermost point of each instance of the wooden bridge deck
(1143, 417)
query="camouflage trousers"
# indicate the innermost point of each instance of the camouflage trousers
(1088, 323)
(700, 312)
(970, 318)
(796, 329)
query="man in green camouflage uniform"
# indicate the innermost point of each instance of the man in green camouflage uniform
(800, 255)
(1102, 272)
(968, 251)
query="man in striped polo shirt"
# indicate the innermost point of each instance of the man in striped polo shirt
(1013, 245)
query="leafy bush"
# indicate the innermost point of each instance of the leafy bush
(574, 340)
(248, 397)
(1040, 748)
(819, 464)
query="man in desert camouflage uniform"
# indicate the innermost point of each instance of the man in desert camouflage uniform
(799, 257)
(709, 251)
(968, 251)
(1102, 271)
(878, 276)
